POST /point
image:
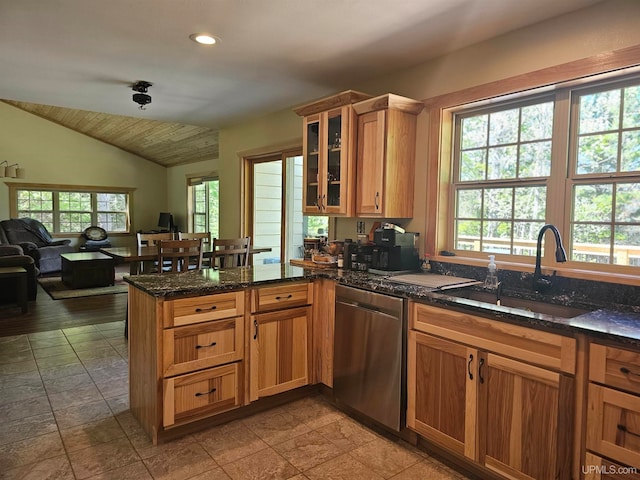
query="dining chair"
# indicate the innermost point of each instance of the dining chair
(152, 239)
(206, 243)
(230, 252)
(179, 255)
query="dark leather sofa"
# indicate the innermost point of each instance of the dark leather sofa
(36, 242)
(13, 256)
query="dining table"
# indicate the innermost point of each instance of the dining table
(141, 259)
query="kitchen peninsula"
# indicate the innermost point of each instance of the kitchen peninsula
(206, 345)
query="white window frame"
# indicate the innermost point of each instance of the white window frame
(440, 110)
(14, 188)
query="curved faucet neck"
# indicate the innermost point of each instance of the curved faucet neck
(561, 255)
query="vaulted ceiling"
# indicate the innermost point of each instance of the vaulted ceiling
(74, 61)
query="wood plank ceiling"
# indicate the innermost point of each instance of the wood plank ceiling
(167, 144)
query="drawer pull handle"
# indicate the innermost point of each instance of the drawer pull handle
(284, 298)
(480, 377)
(206, 393)
(469, 366)
(212, 344)
(624, 429)
(626, 371)
(203, 309)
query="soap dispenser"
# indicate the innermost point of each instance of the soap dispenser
(491, 281)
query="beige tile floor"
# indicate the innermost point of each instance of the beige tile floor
(64, 415)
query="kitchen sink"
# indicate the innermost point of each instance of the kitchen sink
(488, 297)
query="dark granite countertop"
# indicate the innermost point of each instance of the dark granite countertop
(602, 323)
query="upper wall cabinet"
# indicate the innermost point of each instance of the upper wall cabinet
(386, 151)
(329, 147)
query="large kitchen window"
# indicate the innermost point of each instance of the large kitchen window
(571, 158)
(73, 209)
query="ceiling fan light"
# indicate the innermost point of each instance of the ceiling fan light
(203, 38)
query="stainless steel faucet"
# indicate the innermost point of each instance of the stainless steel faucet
(539, 280)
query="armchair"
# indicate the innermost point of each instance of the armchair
(13, 256)
(35, 241)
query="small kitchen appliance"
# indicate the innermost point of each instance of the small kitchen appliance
(395, 251)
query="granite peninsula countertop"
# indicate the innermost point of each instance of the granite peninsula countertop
(620, 326)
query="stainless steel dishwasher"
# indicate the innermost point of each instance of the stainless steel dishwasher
(369, 372)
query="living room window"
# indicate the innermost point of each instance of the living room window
(571, 158)
(204, 202)
(72, 209)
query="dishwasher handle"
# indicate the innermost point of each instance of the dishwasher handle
(366, 307)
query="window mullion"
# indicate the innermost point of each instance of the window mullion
(561, 165)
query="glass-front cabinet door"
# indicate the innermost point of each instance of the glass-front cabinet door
(328, 147)
(313, 167)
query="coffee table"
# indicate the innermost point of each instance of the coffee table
(87, 269)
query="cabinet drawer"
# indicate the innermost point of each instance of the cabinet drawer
(615, 367)
(203, 345)
(598, 468)
(202, 394)
(185, 311)
(281, 296)
(613, 424)
(527, 344)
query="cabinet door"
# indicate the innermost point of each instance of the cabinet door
(613, 424)
(525, 419)
(328, 140)
(198, 395)
(280, 349)
(203, 345)
(370, 164)
(441, 398)
(340, 149)
(598, 468)
(314, 167)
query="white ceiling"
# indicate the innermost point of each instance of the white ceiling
(273, 54)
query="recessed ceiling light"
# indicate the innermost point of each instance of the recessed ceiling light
(203, 38)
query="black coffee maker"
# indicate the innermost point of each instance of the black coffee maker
(395, 251)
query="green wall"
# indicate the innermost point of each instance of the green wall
(52, 154)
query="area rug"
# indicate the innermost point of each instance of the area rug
(59, 290)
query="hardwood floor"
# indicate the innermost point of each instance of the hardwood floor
(47, 314)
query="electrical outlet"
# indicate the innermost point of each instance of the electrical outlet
(360, 227)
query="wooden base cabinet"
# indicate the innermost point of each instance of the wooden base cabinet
(525, 419)
(613, 411)
(281, 339)
(598, 468)
(474, 390)
(186, 358)
(442, 392)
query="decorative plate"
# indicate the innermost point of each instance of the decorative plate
(95, 233)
